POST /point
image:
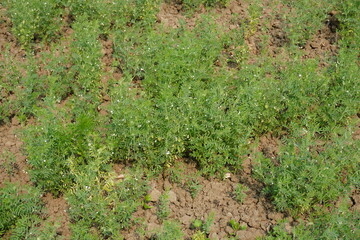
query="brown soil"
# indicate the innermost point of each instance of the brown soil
(215, 197)
(355, 200)
(57, 213)
(269, 146)
(13, 162)
(323, 44)
(171, 14)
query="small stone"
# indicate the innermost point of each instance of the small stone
(186, 220)
(227, 175)
(288, 228)
(213, 236)
(275, 216)
(222, 235)
(314, 45)
(223, 223)
(232, 27)
(154, 195)
(167, 185)
(120, 177)
(229, 230)
(152, 227)
(106, 98)
(172, 197)
(9, 144)
(15, 121)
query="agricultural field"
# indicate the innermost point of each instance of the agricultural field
(179, 119)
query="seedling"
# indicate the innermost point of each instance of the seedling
(163, 208)
(208, 222)
(236, 226)
(239, 193)
(199, 235)
(196, 224)
(146, 201)
(193, 187)
(9, 162)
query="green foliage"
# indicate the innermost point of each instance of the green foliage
(184, 109)
(197, 94)
(34, 19)
(338, 224)
(193, 186)
(203, 227)
(193, 4)
(98, 200)
(31, 228)
(56, 145)
(306, 175)
(86, 56)
(146, 201)
(170, 230)
(163, 211)
(208, 222)
(20, 208)
(196, 224)
(305, 18)
(234, 225)
(8, 162)
(239, 192)
(199, 236)
(115, 14)
(22, 88)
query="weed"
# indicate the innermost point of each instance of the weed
(234, 225)
(170, 230)
(147, 200)
(239, 192)
(199, 236)
(193, 4)
(203, 227)
(196, 224)
(163, 211)
(208, 223)
(193, 187)
(8, 162)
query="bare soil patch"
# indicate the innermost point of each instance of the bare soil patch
(56, 212)
(214, 197)
(13, 162)
(171, 14)
(323, 43)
